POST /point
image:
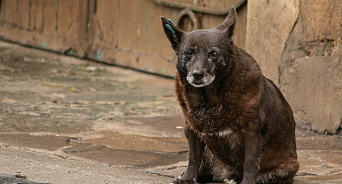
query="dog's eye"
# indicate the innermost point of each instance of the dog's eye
(189, 52)
(214, 54)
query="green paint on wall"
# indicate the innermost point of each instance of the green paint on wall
(99, 54)
(44, 45)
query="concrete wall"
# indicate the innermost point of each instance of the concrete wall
(298, 45)
(269, 24)
(311, 66)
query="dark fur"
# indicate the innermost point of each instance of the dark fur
(239, 126)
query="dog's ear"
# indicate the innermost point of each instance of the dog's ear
(229, 22)
(173, 33)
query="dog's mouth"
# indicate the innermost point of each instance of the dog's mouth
(200, 83)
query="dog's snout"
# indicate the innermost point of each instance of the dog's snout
(198, 74)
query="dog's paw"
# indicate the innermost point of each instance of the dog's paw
(180, 181)
(228, 181)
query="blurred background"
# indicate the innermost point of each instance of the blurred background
(73, 100)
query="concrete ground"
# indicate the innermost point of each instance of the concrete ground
(66, 120)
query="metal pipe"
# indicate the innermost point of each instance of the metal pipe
(199, 9)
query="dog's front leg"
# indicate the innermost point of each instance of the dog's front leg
(196, 148)
(253, 147)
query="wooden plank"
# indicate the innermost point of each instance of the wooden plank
(140, 27)
(91, 28)
(143, 62)
(36, 22)
(106, 17)
(74, 20)
(157, 43)
(24, 13)
(64, 17)
(79, 27)
(97, 21)
(31, 38)
(11, 12)
(82, 19)
(211, 21)
(73, 6)
(50, 17)
(2, 10)
(205, 17)
(215, 20)
(115, 26)
(205, 21)
(241, 27)
(217, 4)
(125, 24)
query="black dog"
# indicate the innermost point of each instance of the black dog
(238, 125)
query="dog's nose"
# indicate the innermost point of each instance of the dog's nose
(198, 74)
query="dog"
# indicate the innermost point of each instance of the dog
(239, 127)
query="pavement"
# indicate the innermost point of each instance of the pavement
(68, 120)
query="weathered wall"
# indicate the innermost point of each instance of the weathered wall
(269, 24)
(48, 24)
(298, 45)
(311, 66)
(129, 33)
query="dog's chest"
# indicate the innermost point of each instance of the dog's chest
(218, 130)
(226, 145)
(208, 119)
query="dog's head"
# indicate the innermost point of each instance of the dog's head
(203, 54)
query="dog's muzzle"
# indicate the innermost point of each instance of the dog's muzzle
(199, 78)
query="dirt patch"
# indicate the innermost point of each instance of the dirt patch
(47, 142)
(125, 158)
(138, 142)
